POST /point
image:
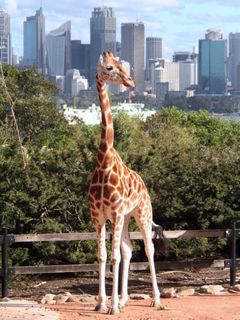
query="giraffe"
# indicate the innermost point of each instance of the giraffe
(117, 193)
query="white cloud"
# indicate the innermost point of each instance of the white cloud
(178, 22)
(11, 6)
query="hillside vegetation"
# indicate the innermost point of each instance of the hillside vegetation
(189, 161)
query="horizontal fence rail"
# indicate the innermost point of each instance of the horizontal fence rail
(7, 239)
(77, 236)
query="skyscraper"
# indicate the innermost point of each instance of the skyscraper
(234, 60)
(5, 38)
(58, 44)
(34, 50)
(132, 39)
(80, 57)
(102, 35)
(153, 51)
(184, 56)
(212, 63)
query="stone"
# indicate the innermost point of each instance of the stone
(73, 298)
(212, 289)
(236, 287)
(6, 299)
(186, 292)
(48, 299)
(168, 293)
(136, 296)
(61, 298)
(86, 298)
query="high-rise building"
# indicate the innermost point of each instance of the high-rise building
(74, 82)
(188, 68)
(5, 38)
(188, 74)
(75, 54)
(102, 35)
(58, 44)
(80, 57)
(132, 40)
(176, 77)
(34, 48)
(212, 63)
(153, 51)
(234, 60)
(167, 72)
(184, 56)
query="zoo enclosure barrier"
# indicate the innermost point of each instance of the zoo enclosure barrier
(7, 239)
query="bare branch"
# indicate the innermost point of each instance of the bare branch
(12, 104)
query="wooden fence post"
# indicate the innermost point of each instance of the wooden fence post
(5, 243)
(233, 256)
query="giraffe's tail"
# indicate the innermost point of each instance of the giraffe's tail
(159, 240)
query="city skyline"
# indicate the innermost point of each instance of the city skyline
(188, 21)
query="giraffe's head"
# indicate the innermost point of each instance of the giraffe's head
(109, 69)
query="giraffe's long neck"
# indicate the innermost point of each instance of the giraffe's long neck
(107, 133)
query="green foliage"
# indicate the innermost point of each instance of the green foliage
(217, 104)
(190, 163)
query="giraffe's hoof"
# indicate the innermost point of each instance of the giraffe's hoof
(101, 307)
(113, 310)
(162, 307)
(122, 302)
(155, 304)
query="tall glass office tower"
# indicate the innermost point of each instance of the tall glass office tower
(34, 49)
(58, 44)
(153, 51)
(132, 39)
(212, 63)
(102, 35)
(234, 60)
(5, 38)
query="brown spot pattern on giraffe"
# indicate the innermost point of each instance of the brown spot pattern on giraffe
(108, 191)
(113, 180)
(96, 192)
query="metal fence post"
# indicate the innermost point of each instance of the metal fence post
(233, 255)
(5, 243)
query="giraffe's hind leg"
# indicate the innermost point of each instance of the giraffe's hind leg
(144, 221)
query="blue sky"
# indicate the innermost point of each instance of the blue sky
(180, 23)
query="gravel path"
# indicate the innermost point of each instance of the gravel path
(25, 310)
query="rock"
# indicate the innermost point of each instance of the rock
(86, 298)
(168, 293)
(48, 298)
(61, 298)
(236, 287)
(186, 292)
(73, 298)
(212, 289)
(5, 299)
(136, 296)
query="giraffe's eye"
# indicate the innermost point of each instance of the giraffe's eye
(109, 68)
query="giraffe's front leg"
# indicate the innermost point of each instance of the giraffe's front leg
(126, 248)
(116, 256)
(102, 258)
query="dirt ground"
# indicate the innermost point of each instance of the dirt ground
(204, 307)
(187, 308)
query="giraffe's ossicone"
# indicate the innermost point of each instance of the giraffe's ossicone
(117, 193)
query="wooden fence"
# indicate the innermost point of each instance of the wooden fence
(7, 239)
